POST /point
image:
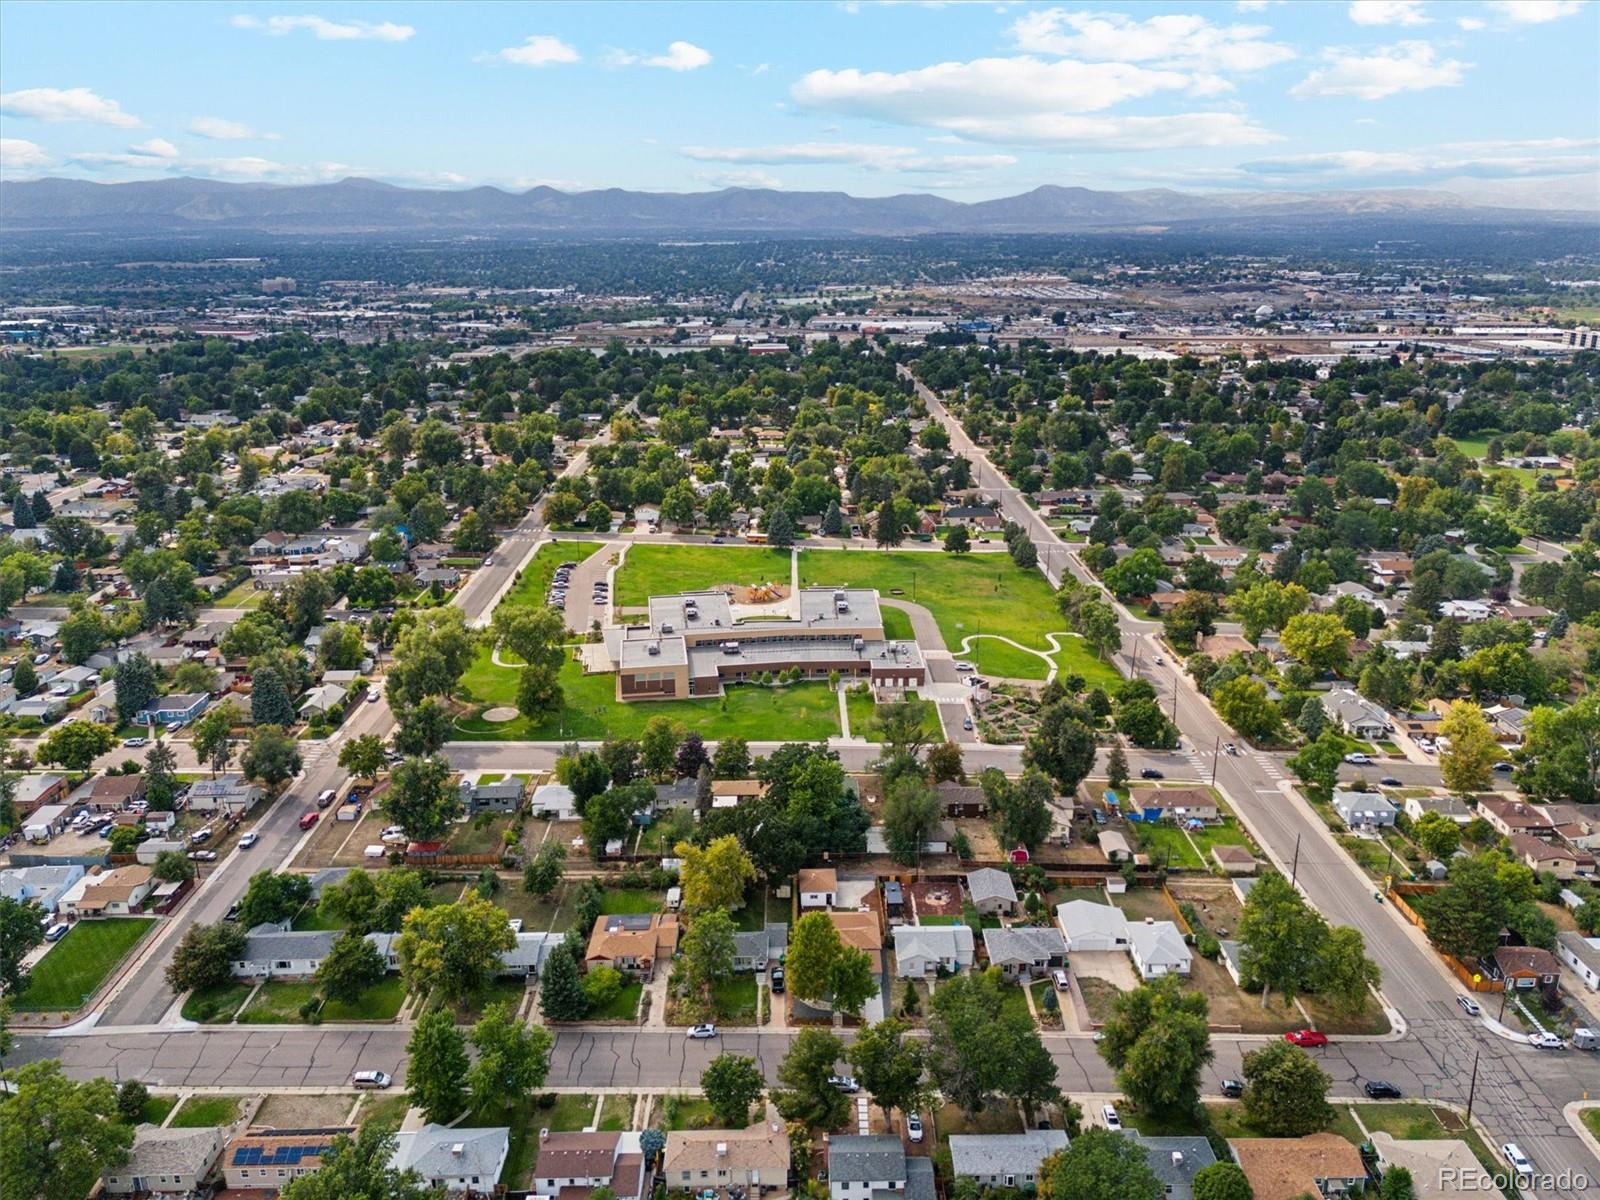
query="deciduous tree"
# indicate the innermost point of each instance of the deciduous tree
(420, 799)
(1467, 763)
(806, 1094)
(1157, 1041)
(455, 948)
(353, 966)
(436, 1066)
(271, 757)
(732, 1083)
(890, 1065)
(1285, 1092)
(59, 1135)
(513, 1059)
(714, 876)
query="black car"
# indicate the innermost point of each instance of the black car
(777, 981)
(1380, 1089)
(1389, 781)
(232, 913)
(1151, 773)
(1232, 1088)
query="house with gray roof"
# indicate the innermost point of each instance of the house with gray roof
(992, 891)
(923, 950)
(1174, 1161)
(756, 949)
(231, 793)
(1364, 808)
(457, 1160)
(864, 1168)
(1358, 717)
(170, 1162)
(274, 951)
(1008, 1160)
(1157, 948)
(1087, 925)
(43, 886)
(1025, 951)
(501, 795)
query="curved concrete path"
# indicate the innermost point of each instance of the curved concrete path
(1050, 664)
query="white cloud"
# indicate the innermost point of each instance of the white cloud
(19, 154)
(1110, 133)
(1387, 12)
(1250, 6)
(1470, 24)
(1534, 12)
(1404, 67)
(870, 156)
(983, 88)
(1505, 159)
(680, 56)
(67, 104)
(219, 129)
(1175, 39)
(539, 50)
(325, 30)
(155, 148)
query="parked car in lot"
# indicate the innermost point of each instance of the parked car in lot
(370, 1080)
(913, 1127)
(393, 835)
(1233, 1088)
(964, 666)
(1546, 1041)
(249, 839)
(1472, 1007)
(1108, 1113)
(845, 1083)
(699, 1032)
(1381, 1089)
(1306, 1037)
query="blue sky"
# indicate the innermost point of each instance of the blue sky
(969, 100)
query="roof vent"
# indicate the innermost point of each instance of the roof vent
(458, 1148)
(1177, 1158)
(655, 648)
(722, 1149)
(1149, 920)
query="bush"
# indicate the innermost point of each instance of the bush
(601, 986)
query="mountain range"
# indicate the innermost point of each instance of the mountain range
(364, 206)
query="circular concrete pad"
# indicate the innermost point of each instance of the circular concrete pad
(498, 715)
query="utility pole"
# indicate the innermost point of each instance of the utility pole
(1472, 1088)
(1216, 749)
(1294, 867)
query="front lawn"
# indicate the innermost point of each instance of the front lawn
(864, 713)
(380, 1002)
(591, 711)
(1166, 845)
(1075, 658)
(967, 594)
(616, 1112)
(624, 1007)
(656, 570)
(686, 1112)
(75, 967)
(155, 1109)
(278, 1002)
(216, 1005)
(736, 997)
(198, 1112)
(390, 1110)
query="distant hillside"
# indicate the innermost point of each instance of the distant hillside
(362, 206)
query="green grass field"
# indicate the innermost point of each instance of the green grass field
(1472, 447)
(625, 1007)
(1075, 658)
(655, 570)
(198, 1112)
(156, 1109)
(380, 1002)
(534, 581)
(1165, 844)
(804, 711)
(967, 594)
(278, 1002)
(245, 595)
(897, 625)
(622, 902)
(863, 717)
(75, 966)
(216, 1005)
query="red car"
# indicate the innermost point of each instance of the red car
(1306, 1037)
(308, 819)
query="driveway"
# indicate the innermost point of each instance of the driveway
(1113, 966)
(581, 610)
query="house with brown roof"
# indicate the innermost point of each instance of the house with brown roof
(756, 1159)
(572, 1165)
(1524, 967)
(1219, 645)
(1177, 804)
(1559, 859)
(861, 931)
(113, 894)
(1319, 1164)
(1513, 816)
(107, 793)
(818, 887)
(734, 792)
(633, 942)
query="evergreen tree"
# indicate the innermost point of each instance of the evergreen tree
(270, 703)
(561, 997)
(42, 511)
(136, 680)
(21, 512)
(833, 520)
(780, 529)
